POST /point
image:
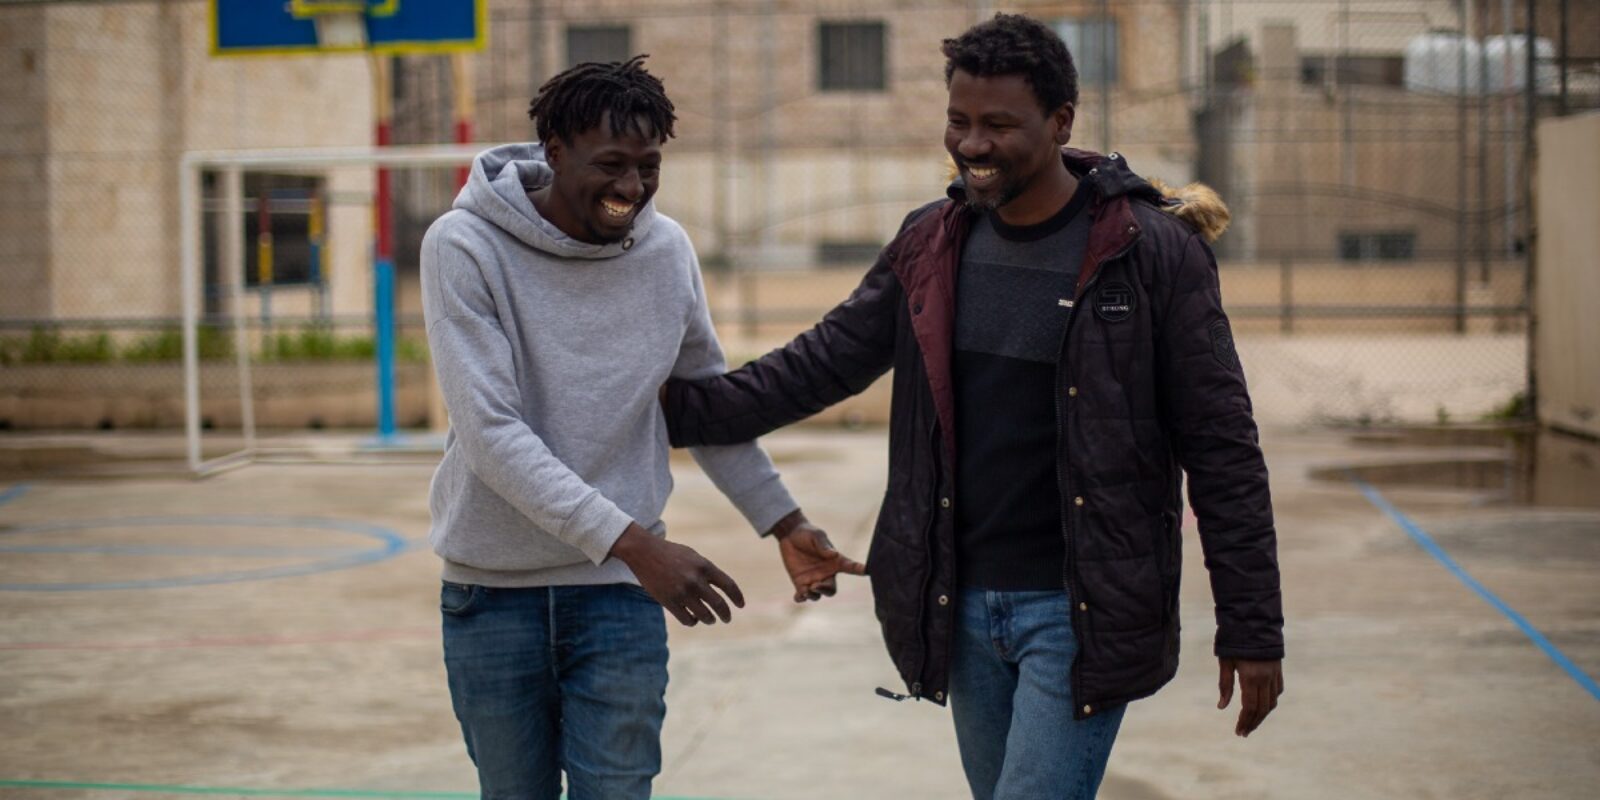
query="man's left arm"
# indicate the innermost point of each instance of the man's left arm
(745, 475)
(1207, 411)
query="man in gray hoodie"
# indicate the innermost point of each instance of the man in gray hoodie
(557, 301)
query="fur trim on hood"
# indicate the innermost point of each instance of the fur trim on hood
(1198, 205)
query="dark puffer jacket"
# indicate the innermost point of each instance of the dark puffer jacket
(1148, 386)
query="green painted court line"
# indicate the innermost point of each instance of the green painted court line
(245, 791)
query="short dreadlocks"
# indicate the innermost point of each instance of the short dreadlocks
(574, 101)
(1011, 44)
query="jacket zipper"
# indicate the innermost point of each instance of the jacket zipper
(1063, 479)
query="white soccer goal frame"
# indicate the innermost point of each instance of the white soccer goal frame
(232, 165)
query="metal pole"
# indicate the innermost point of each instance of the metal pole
(1481, 219)
(1462, 8)
(1105, 76)
(233, 266)
(1286, 295)
(383, 266)
(1530, 274)
(189, 257)
(462, 91)
(1563, 36)
(1509, 114)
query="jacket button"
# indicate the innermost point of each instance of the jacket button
(627, 244)
(916, 690)
(1088, 709)
(1083, 606)
(1114, 156)
(944, 502)
(944, 599)
(1077, 501)
(916, 309)
(938, 696)
(1095, 171)
(1072, 391)
(1133, 229)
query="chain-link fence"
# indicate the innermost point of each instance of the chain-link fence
(1375, 156)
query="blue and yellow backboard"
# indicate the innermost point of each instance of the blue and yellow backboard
(275, 27)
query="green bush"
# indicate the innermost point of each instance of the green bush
(46, 346)
(316, 343)
(322, 344)
(215, 342)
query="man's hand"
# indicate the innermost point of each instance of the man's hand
(680, 579)
(1260, 684)
(810, 559)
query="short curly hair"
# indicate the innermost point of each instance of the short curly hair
(575, 101)
(1012, 44)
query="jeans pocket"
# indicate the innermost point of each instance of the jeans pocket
(458, 599)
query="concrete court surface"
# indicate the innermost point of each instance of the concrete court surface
(275, 631)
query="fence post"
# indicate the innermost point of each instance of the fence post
(1286, 295)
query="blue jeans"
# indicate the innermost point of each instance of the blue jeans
(558, 679)
(1011, 696)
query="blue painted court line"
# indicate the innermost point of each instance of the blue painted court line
(246, 791)
(1427, 543)
(181, 550)
(389, 544)
(12, 493)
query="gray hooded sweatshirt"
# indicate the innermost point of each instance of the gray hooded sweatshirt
(549, 352)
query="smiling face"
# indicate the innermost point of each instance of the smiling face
(602, 179)
(1007, 148)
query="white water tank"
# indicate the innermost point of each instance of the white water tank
(1508, 64)
(1434, 63)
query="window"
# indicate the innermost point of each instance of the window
(1093, 44)
(1377, 245)
(851, 56)
(1352, 70)
(847, 253)
(604, 43)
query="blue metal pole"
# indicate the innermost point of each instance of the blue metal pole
(385, 346)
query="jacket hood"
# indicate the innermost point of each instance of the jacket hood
(497, 192)
(1200, 207)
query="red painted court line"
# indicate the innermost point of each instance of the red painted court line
(375, 635)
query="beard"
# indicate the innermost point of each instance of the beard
(993, 200)
(1009, 189)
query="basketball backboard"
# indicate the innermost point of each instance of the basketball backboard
(253, 27)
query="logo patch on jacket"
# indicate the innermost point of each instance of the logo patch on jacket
(1222, 344)
(1114, 301)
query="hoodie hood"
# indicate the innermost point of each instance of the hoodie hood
(497, 192)
(1196, 204)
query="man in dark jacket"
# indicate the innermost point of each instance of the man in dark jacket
(1061, 358)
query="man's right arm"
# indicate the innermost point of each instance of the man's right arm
(838, 357)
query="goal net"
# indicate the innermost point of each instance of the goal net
(290, 313)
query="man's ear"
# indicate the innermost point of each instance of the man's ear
(1063, 117)
(553, 151)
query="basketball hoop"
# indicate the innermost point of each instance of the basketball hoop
(341, 24)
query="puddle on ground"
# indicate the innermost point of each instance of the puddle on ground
(1512, 468)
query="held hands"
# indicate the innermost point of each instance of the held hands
(679, 578)
(810, 559)
(1260, 684)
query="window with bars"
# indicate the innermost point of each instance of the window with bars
(1377, 245)
(1093, 44)
(852, 56)
(603, 43)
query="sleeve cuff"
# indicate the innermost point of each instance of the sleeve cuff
(765, 503)
(595, 527)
